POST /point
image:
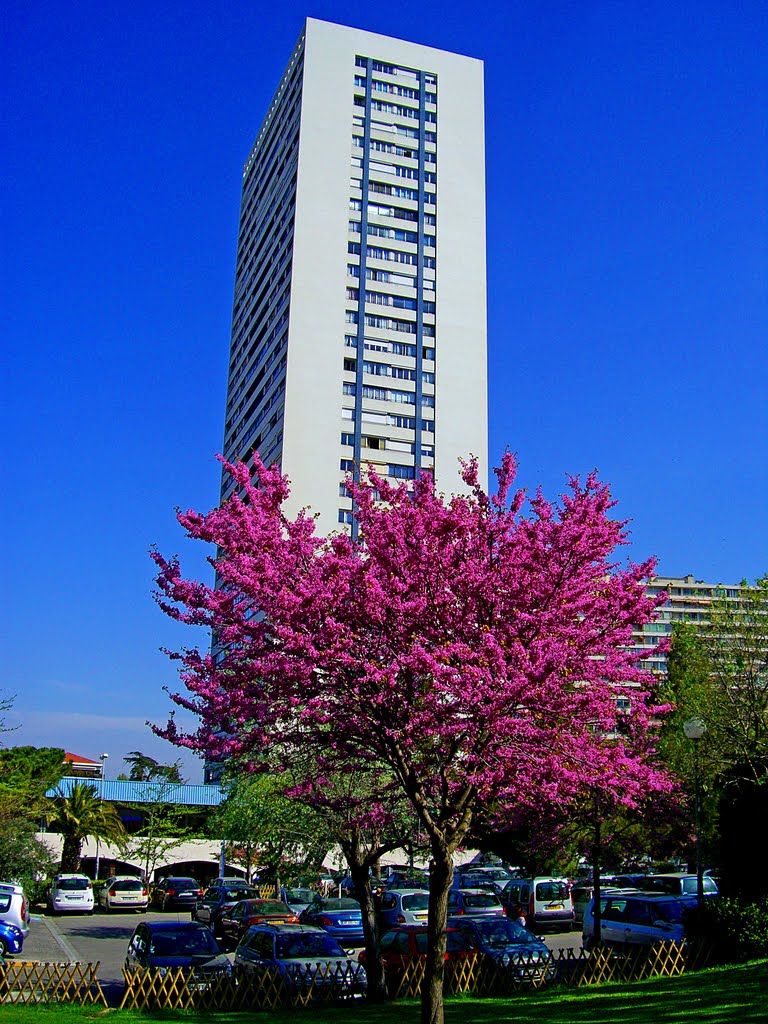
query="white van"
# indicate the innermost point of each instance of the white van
(70, 894)
(547, 902)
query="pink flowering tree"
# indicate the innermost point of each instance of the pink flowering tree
(469, 650)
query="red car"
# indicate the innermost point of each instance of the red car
(234, 923)
(401, 945)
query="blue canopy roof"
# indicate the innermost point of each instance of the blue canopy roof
(124, 791)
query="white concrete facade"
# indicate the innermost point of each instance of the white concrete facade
(359, 325)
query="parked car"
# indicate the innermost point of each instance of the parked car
(14, 907)
(217, 900)
(414, 879)
(124, 892)
(176, 893)
(341, 918)
(176, 944)
(509, 945)
(403, 906)
(297, 899)
(633, 881)
(582, 894)
(303, 955)
(235, 922)
(547, 901)
(474, 903)
(11, 939)
(70, 893)
(406, 943)
(678, 884)
(637, 919)
(473, 876)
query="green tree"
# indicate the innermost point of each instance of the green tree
(265, 828)
(26, 773)
(144, 768)
(79, 815)
(718, 672)
(163, 826)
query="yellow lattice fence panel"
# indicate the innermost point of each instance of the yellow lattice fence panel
(267, 892)
(183, 988)
(23, 981)
(519, 973)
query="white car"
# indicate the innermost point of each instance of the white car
(70, 894)
(124, 892)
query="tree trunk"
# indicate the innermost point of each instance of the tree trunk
(440, 879)
(70, 855)
(359, 869)
(596, 858)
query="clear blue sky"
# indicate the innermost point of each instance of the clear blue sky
(626, 164)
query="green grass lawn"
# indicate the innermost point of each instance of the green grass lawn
(708, 997)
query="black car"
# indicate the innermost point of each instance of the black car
(218, 900)
(176, 893)
(176, 944)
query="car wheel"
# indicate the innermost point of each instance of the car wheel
(3, 946)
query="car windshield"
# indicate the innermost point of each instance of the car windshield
(296, 947)
(241, 894)
(502, 931)
(127, 885)
(73, 884)
(184, 942)
(266, 907)
(416, 901)
(552, 891)
(481, 899)
(336, 905)
(299, 895)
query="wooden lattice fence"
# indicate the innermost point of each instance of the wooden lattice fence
(182, 988)
(23, 981)
(481, 975)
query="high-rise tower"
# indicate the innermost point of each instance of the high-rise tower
(359, 323)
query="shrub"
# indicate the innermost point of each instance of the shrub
(735, 929)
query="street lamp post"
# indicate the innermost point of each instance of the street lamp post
(694, 730)
(103, 759)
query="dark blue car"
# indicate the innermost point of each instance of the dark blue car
(11, 938)
(341, 918)
(509, 944)
(306, 958)
(176, 944)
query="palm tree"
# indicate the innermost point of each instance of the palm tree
(79, 815)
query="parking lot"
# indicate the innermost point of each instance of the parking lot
(103, 938)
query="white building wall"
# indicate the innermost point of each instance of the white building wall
(313, 399)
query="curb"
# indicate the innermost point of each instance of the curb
(69, 951)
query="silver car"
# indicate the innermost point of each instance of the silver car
(474, 903)
(124, 892)
(404, 906)
(635, 918)
(14, 907)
